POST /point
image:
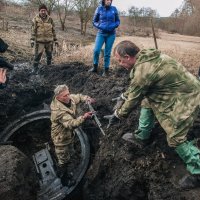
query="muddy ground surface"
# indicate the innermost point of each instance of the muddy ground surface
(17, 176)
(118, 170)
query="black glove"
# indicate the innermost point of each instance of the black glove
(3, 46)
(119, 103)
(5, 64)
(112, 119)
(32, 44)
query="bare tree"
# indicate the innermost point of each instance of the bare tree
(141, 16)
(186, 21)
(63, 9)
(85, 9)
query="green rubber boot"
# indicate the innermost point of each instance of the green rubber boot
(146, 124)
(189, 153)
(140, 137)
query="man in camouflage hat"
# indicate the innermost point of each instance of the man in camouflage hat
(168, 92)
(43, 36)
(64, 120)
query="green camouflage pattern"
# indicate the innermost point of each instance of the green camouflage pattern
(168, 89)
(39, 49)
(43, 30)
(63, 122)
(189, 153)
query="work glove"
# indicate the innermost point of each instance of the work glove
(32, 44)
(119, 103)
(88, 115)
(112, 119)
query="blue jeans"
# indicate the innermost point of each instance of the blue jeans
(102, 38)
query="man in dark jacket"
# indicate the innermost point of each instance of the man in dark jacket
(106, 20)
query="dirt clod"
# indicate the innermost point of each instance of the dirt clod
(16, 175)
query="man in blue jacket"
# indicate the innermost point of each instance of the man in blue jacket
(106, 20)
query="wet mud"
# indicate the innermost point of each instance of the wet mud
(118, 170)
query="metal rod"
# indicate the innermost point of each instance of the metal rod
(154, 35)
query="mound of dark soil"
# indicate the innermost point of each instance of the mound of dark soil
(16, 175)
(118, 171)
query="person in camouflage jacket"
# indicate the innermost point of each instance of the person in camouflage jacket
(168, 92)
(43, 36)
(64, 120)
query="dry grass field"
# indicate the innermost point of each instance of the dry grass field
(74, 47)
(186, 49)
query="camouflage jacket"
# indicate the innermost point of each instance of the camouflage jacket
(172, 92)
(43, 30)
(64, 119)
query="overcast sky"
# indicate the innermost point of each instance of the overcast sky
(163, 7)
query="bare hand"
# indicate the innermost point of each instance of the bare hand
(2, 75)
(90, 100)
(88, 115)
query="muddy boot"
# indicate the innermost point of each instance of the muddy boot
(189, 181)
(105, 72)
(67, 179)
(65, 176)
(70, 182)
(130, 137)
(93, 69)
(48, 62)
(35, 69)
(61, 170)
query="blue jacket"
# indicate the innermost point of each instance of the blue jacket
(106, 19)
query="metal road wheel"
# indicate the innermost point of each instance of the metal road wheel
(39, 117)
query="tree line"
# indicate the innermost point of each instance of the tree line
(83, 8)
(184, 20)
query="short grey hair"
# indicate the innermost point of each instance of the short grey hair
(60, 88)
(126, 47)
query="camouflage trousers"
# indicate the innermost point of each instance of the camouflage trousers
(39, 49)
(176, 132)
(64, 153)
(64, 146)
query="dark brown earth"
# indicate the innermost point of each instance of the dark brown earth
(118, 170)
(17, 177)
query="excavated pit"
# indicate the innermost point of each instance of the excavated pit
(117, 171)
